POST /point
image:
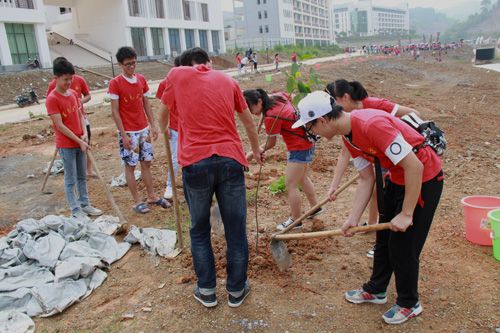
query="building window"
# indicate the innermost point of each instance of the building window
(63, 10)
(25, 4)
(134, 8)
(187, 10)
(265, 14)
(216, 41)
(259, 15)
(264, 2)
(260, 29)
(203, 40)
(22, 42)
(189, 33)
(175, 41)
(158, 45)
(267, 29)
(158, 10)
(258, 2)
(139, 41)
(204, 12)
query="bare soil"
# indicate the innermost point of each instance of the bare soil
(458, 280)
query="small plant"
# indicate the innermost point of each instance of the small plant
(297, 84)
(31, 114)
(278, 186)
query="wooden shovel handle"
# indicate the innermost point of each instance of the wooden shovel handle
(318, 205)
(336, 232)
(106, 190)
(42, 189)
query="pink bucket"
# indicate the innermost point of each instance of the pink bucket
(476, 208)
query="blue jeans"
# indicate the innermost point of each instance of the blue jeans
(174, 137)
(224, 177)
(75, 174)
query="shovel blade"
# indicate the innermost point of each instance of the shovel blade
(280, 254)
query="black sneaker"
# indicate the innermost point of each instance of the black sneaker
(208, 301)
(317, 212)
(234, 302)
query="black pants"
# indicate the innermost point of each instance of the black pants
(399, 252)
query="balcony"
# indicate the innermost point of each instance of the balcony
(24, 4)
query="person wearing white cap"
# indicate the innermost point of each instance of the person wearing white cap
(408, 201)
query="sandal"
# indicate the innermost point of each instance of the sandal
(162, 202)
(142, 208)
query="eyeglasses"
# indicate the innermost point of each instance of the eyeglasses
(130, 64)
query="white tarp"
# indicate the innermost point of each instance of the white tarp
(47, 265)
(154, 241)
(16, 322)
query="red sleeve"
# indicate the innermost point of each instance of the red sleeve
(168, 96)
(379, 104)
(381, 132)
(145, 87)
(114, 87)
(161, 88)
(239, 100)
(52, 86)
(84, 88)
(52, 106)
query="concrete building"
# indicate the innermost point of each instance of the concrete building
(22, 33)
(234, 22)
(362, 18)
(155, 28)
(288, 21)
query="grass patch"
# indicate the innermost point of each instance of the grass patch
(278, 186)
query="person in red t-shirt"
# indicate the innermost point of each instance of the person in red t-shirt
(279, 115)
(238, 62)
(64, 109)
(79, 85)
(213, 161)
(277, 62)
(136, 127)
(172, 134)
(410, 197)
(294, 57)
(353, 96)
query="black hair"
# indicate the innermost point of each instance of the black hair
(252, 97)
(62, 66)
(341, 87)
(125, 52)
(177, 61)
(195, 55)
(332, 115)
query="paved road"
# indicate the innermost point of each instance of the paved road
(12, 113)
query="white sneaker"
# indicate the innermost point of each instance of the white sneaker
(92, 211)
(168, 193)
(285, 225)
(80, 215)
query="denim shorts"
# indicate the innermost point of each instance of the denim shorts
(301, 156)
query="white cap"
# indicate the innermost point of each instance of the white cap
(313, 106)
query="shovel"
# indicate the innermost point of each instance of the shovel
(42, 189)
(283, 258)
(318, 205)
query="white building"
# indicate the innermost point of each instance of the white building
(155, 28)
(22, 33)
(362, 18)
(288, 21)
(234, 22)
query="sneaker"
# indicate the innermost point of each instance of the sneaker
(360, 296)
(80, 215)
(317, 212)
(208, 301)
(92, 211)
(234, 302)
(168, 193)
(371, 252)
(398, 315)
(284, 225)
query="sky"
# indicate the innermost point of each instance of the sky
(227, 5)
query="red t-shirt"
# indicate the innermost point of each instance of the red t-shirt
(130, 100)
(78, 84)
(238, 59)
(294, 137)
(173, 123)
(379, 134)
(380, 104)
(68, 106)
(205, 101)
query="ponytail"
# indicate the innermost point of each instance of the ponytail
(341, 87)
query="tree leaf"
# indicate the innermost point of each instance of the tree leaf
(295, 68)
(298, 74)
(290, 84)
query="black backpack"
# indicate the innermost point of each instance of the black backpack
(433, 135)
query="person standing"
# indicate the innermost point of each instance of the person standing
(410, 197)
(65, 111)
(79, 85)
(277, 62)
(255, 61)
(238, 62)
(294, 57)
(212, 159)
(136, 126)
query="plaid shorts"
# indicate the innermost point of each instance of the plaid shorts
(142, 149)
